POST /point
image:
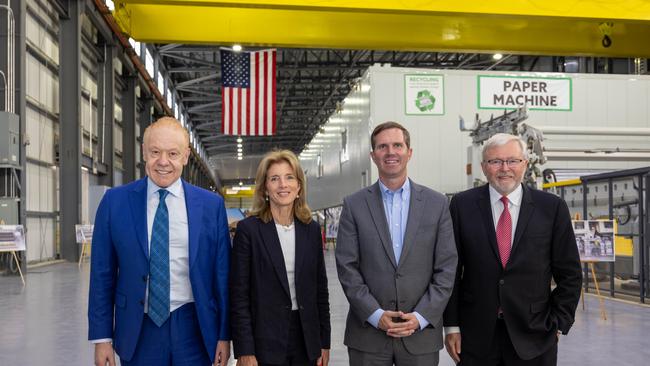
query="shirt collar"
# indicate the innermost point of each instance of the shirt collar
(405, 188)
(175, 189)
(514, 197)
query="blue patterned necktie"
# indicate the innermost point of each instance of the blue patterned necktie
(159, 264)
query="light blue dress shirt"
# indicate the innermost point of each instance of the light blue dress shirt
(396, 208)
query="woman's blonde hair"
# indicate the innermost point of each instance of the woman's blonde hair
(261, 207)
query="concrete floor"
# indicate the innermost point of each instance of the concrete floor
(45, 323)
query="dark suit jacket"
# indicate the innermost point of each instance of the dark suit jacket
(544, 247)
(259, 290)
(120, 265)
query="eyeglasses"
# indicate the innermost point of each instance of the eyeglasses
(497, 163)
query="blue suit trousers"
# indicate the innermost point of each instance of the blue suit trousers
(177, 342)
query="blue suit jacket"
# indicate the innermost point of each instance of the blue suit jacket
(120, 265)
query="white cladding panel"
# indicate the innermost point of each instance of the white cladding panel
(39, 242)
(339, 179)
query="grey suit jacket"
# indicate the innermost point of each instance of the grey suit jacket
(422, 281)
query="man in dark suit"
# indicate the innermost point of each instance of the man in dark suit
(160, 263)
(512, 240)
(396, 261)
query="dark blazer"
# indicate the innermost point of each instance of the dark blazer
(544, 247)
(120, 265)
(259, 290)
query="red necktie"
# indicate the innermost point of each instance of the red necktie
(504, 232)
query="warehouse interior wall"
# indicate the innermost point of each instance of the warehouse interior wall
(115, 105)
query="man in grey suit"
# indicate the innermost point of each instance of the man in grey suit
(396, 261)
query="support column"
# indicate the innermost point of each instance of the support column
(70, 129)
(106, 100)
(145, 121)
(129, 111)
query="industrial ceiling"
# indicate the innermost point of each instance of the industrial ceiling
(340, 34)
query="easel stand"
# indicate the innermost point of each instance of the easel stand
(84, 237)
(20, 271)
(603, 313)
(83, 250)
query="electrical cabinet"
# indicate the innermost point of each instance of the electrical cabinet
(9, 210)
(9, 139)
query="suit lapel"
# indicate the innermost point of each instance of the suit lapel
(302, 233)
(376, 208)
(194, 219)
(485, 208)
(416, 207)
(274, 250)
(525, 213)
(138, 204)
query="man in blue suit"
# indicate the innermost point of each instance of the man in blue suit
(160, 263)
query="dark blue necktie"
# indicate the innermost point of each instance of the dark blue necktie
(159, 264)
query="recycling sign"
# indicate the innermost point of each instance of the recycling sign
(424, 94)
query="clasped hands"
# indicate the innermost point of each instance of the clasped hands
(406, 325)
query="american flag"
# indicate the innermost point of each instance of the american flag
(248, 95)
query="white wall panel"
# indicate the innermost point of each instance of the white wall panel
(42, 90)
(40, 131)
(49, 95)
(117, 137)
(33, 82)
(33, 191)
(40, 188)
(40, 239)
(341, 179)
(40, 37)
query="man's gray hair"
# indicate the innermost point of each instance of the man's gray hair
(501, 139)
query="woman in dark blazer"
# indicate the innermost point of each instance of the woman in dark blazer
(278, 285)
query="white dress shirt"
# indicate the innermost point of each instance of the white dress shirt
(514, 205)
(180, 288)
(287, 236)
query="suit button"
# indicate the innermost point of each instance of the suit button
(501, 282)
(288, 307)
(144, 278)
(142, 302)
(301, 308)
(392, 302)
(397, 275)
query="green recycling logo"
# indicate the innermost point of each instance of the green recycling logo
(425, 101)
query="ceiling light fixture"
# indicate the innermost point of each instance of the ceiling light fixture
(237, 48)
(497, 56)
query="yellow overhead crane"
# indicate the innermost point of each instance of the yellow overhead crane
(613, 28)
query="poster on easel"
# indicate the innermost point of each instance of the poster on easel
(12, 238)
(84, 233)
(595, 240)
(332, 217)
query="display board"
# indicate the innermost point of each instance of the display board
(595, 240)
(12, 238)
